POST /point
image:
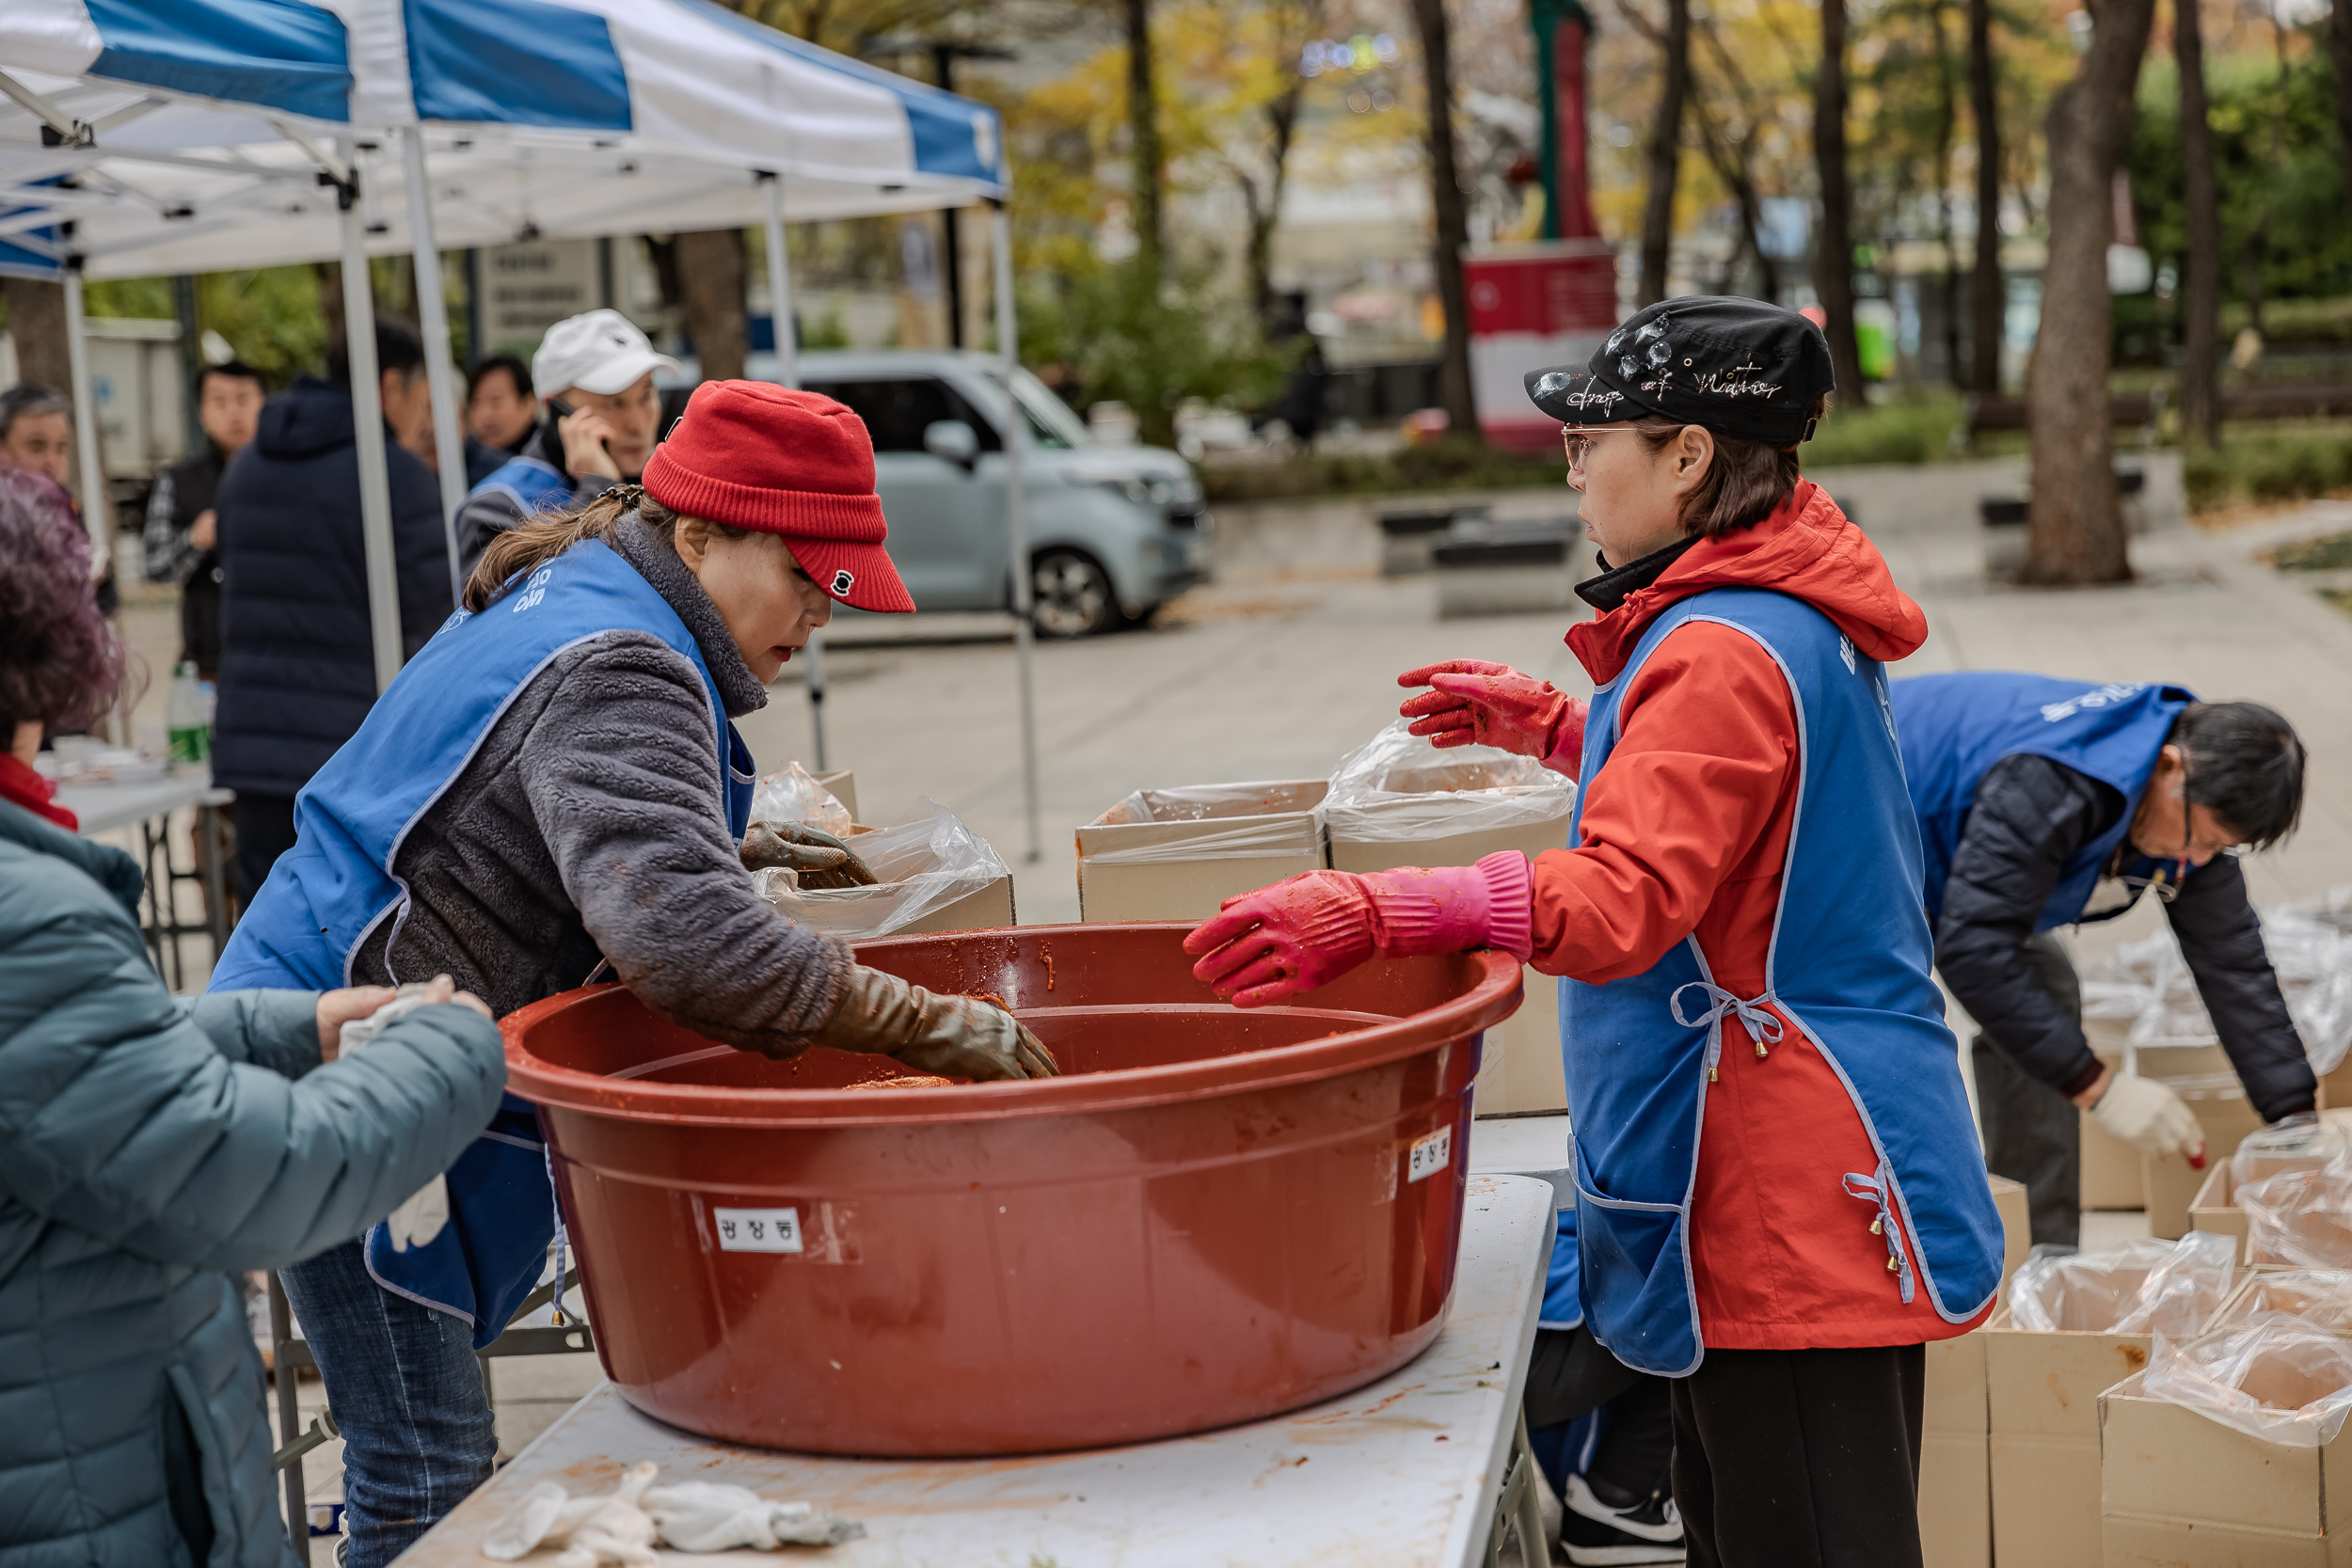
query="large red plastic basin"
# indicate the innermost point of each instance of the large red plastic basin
(1214, 1216)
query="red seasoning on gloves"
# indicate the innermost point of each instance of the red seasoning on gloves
(1474, 702)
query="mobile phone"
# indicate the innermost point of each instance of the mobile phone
(558, 408)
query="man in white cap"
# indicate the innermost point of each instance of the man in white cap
(595, 376)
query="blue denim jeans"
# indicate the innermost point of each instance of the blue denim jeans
(407, 1392)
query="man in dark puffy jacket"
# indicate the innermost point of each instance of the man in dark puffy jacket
(2045, 803)
(297, 668)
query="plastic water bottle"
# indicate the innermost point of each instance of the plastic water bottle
(189, 727)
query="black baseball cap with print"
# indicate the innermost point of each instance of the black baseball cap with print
(1739, 366)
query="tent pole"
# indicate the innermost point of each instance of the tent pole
(367, 416)
(94, 510)
(1017, 518)
(788, 374)
(433, 316)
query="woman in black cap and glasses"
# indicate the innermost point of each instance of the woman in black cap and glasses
(1780, 1195)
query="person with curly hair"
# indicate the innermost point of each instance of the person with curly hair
(151, 1148)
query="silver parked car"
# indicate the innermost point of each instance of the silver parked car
(1114, 532)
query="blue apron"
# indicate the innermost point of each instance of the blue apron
(1564, 1297)
(1956, 727)
(533, 483)
(336, 885)
(1847, 968)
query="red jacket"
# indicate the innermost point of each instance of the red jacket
(1685, 832)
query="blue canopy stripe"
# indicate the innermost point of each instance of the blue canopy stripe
(515, 62)
(274, 53)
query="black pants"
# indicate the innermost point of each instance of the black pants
(2033, 1134)
(265, 830)
(1572, 1375)
(1800, 1458)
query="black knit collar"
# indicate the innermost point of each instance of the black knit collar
(657, 562)
(1617, 584)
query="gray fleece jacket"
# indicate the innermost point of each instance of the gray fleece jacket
(589, 825)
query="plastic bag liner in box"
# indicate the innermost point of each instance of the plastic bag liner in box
(793, 795)
(924, 862)
(2147, 983)
(2300, 1217)
(2139, 1288)
(2292, 1145)
(1270, 819)
(1465, 789)
(2276, 1376)
(2322, 1296)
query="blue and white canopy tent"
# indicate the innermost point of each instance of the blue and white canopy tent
(143, 138)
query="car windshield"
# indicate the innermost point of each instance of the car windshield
(1050, 423)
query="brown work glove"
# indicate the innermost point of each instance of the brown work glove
(822, 860)
(955, 1037)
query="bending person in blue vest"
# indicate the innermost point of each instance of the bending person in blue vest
(1780, 1195)
(2048, 803)
(593, 373)
(551, 785)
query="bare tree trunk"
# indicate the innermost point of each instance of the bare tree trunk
(1143, 129)
(1833, 269)
(1946, 131)
(1736, 162)
(2074, 519)
(1987, 294)
(710, 288)
(330, 280)
(2201, 280)
(1664, 160)
(1264, 208)
(2339, 55)
(36, 327)
(1452, 220)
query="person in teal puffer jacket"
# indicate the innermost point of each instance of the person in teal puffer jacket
(151, 1147)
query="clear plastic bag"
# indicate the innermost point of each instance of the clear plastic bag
(1399, 788)
(2276, 1376)
(2302, 1218)
(2322, 1296)
(2141, 1287)
(792, 793)
(2295, 1144)
(1269, 818)
(2146, 986)
(922, 863)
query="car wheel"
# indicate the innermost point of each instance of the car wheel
(1072, 597)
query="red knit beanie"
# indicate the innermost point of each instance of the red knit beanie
(751, 455)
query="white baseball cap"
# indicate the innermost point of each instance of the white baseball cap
(601, 352)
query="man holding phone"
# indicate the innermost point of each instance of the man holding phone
(601, 414)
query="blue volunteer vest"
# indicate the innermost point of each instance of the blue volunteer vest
(533, 483)
(1956, 727)
(1847, 968)
(336, 885)
(1563, 1296)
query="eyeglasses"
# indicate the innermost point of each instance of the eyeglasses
(1579, 441)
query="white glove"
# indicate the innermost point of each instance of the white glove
(711, 1516)
(2151, 1117)
(425, 1212)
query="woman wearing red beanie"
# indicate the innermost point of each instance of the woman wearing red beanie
(553, 785)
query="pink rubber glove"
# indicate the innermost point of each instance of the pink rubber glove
(1267, 946)
(1493, 705)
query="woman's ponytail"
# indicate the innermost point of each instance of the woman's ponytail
(533, 542)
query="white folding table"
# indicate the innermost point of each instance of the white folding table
(147, 807)
(1406, 1471)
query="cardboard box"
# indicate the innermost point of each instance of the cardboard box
(2321, 1296)
(2179, 1490)
(2172, 1184)
(836, 909)
(2215, 1207)
(1955, 1469)
(1154, 864)
(1955, 1475)
(1521, 1069)
(842, 786)
(2042, 1393)
(2110, 1166)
